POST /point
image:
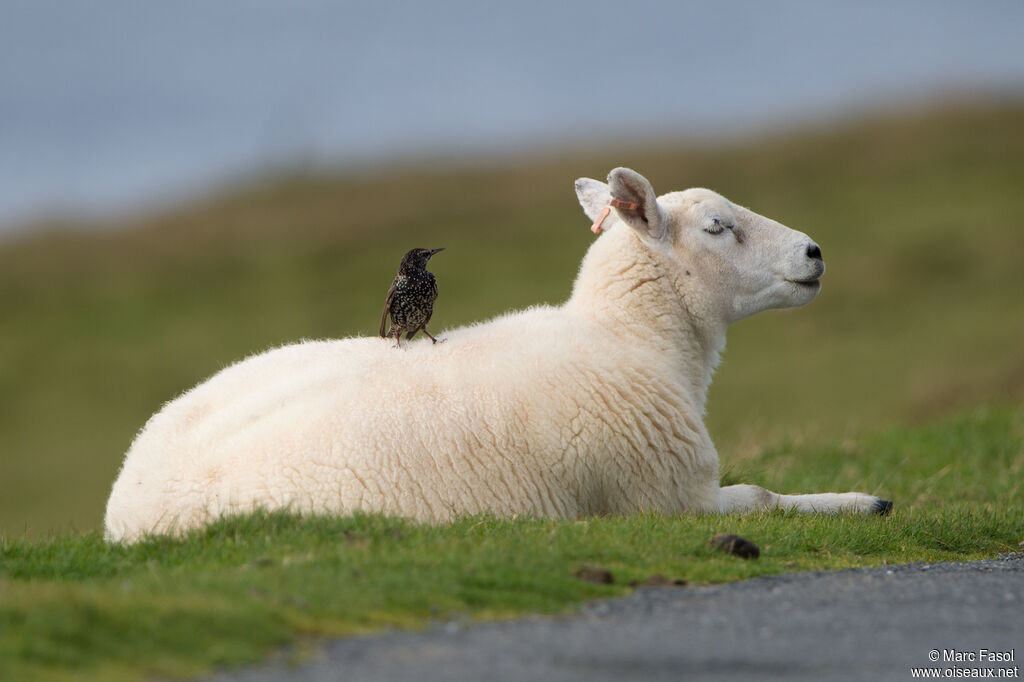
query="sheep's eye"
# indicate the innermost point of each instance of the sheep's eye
(718, 227)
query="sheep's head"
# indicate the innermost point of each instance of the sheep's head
(735, 261)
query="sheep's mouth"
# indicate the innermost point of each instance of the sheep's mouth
(810, 283)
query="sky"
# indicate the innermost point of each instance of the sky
(111, 105)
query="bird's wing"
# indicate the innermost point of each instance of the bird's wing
(387, 309)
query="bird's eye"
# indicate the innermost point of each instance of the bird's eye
(717, 227)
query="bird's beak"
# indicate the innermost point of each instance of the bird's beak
(433, 251)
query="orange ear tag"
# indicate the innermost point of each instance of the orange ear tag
(596, 227)
(617, 203)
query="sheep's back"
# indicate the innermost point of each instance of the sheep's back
(427, 430)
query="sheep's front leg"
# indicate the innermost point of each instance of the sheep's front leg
(733, 498)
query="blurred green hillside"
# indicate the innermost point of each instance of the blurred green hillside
(920, 217)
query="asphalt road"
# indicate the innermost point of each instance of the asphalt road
(864, 624)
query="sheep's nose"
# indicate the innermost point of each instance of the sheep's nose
(813, 251)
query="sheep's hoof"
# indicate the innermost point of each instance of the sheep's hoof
(882, 507)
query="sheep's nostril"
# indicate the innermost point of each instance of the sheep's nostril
(813, 251)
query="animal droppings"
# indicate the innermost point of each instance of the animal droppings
(735, 545)
(658, 580)
(594, 574)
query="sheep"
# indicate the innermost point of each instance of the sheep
(592, 407)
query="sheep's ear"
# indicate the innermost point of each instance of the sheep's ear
(636, 204)
(594, 195)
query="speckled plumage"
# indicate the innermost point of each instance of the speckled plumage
(410, 300)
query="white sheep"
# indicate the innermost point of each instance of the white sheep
(592, 407)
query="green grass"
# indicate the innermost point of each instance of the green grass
(73, 607)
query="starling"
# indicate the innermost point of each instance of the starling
(410, 300)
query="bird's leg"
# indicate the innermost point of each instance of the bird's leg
(431, 337)
(398, 338)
